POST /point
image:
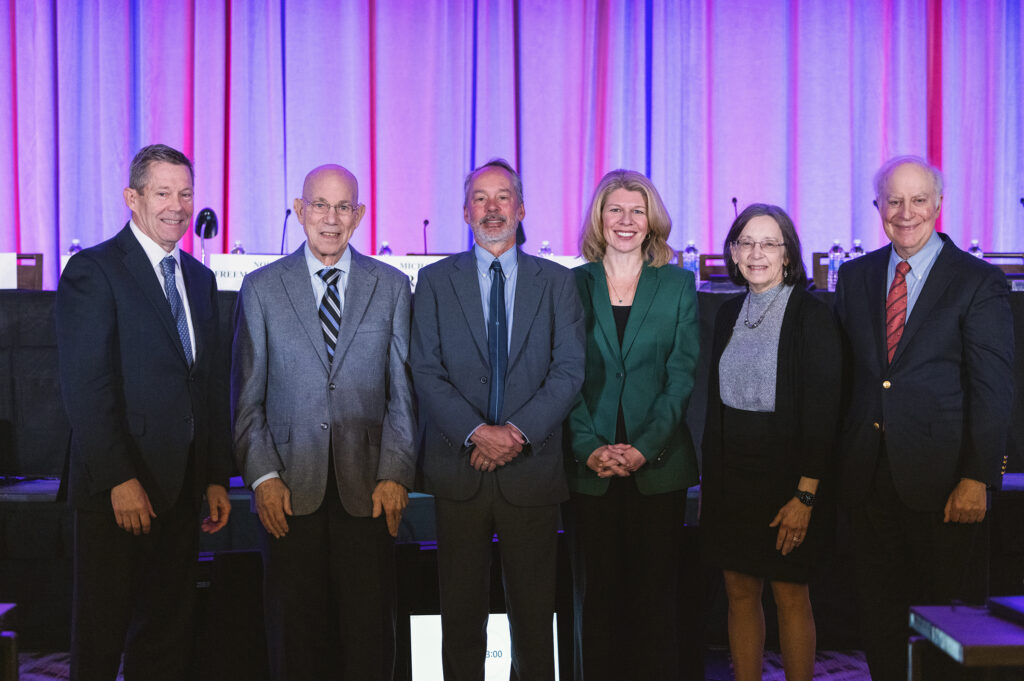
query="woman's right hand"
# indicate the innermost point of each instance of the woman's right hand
(606, 462)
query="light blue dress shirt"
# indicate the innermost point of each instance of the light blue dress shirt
(920, 265)
(319, 287)
(510, 268)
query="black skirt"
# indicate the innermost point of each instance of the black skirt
(755, 484)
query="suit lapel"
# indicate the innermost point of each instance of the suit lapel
(198, 304)
(602, 306)
(875, 290)
(466, 284)
(141, 269)
(299, 289)
(362, 281)
(939, 278)
(529, 289)
(646, 290)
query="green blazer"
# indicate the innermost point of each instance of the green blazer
(652, 375)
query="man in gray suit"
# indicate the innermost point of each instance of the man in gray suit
(324, 434)
(497, 357)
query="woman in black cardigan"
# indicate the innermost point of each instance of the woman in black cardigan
(773, 405)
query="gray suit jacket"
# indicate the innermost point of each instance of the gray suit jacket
(451, 371)
(290, 406)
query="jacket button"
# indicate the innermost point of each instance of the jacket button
(618, 375)
(886, 384)
(332, 386)
(876, 425)
(323, 426)
(483, 379)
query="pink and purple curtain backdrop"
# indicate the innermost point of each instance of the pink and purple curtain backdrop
(794, 102)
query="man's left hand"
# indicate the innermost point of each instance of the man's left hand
(391, 498)
(966, 504)
(220, 508)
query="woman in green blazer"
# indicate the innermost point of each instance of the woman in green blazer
(631, 456)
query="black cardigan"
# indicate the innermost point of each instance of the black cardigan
(807, 388)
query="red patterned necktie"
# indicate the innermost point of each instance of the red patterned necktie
(896, 308)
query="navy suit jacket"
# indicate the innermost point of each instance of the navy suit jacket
(944, 402)
(135, 406)
(451, 372)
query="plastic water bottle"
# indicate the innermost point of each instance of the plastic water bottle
(238, 250)
(75, 247)
(856, 251)
(545, 249)
(691, 260)
(975, 249)
(384, 249)
(835, 259)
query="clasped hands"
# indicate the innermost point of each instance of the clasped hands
(611, 460)
(495, 446)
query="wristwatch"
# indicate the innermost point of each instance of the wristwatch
(806, 498)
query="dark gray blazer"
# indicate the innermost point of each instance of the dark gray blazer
(945, 400)
(291, 407)
(451, 371)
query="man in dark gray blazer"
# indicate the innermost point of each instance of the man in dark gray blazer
(324, 433)
(145, 388)
(497, 358)
(929, 335)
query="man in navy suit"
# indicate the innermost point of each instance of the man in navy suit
(497, 360)
(144, 382)
(929, 335)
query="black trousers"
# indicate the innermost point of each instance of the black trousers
(329, 596)
(529, 544)
(136, 594)
(904, 558)
(625, 551)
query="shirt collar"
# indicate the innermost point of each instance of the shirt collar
(920, 261)
(509, 260)
(314, 265)
(154, 251)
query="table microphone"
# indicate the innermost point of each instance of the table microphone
(206, 228)
(284, 227)
(735, 208)
(425, 223)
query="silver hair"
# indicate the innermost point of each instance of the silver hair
(890, 166)
(517, 183)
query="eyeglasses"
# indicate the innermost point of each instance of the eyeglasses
(344, 210)
(768, 246)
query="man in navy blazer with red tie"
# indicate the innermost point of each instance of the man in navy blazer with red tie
(929, 336)
(144, 381)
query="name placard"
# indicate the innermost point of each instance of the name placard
(230, 269)
(8, 270)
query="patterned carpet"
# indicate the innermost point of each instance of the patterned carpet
(829, 666)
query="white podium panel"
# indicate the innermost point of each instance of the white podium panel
(425, 643)
(8, 270)
(231, 269)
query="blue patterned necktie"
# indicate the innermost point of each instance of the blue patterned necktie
(497, 342)
(177, 308)
(330, 309)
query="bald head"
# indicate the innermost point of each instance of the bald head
(327, 170)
